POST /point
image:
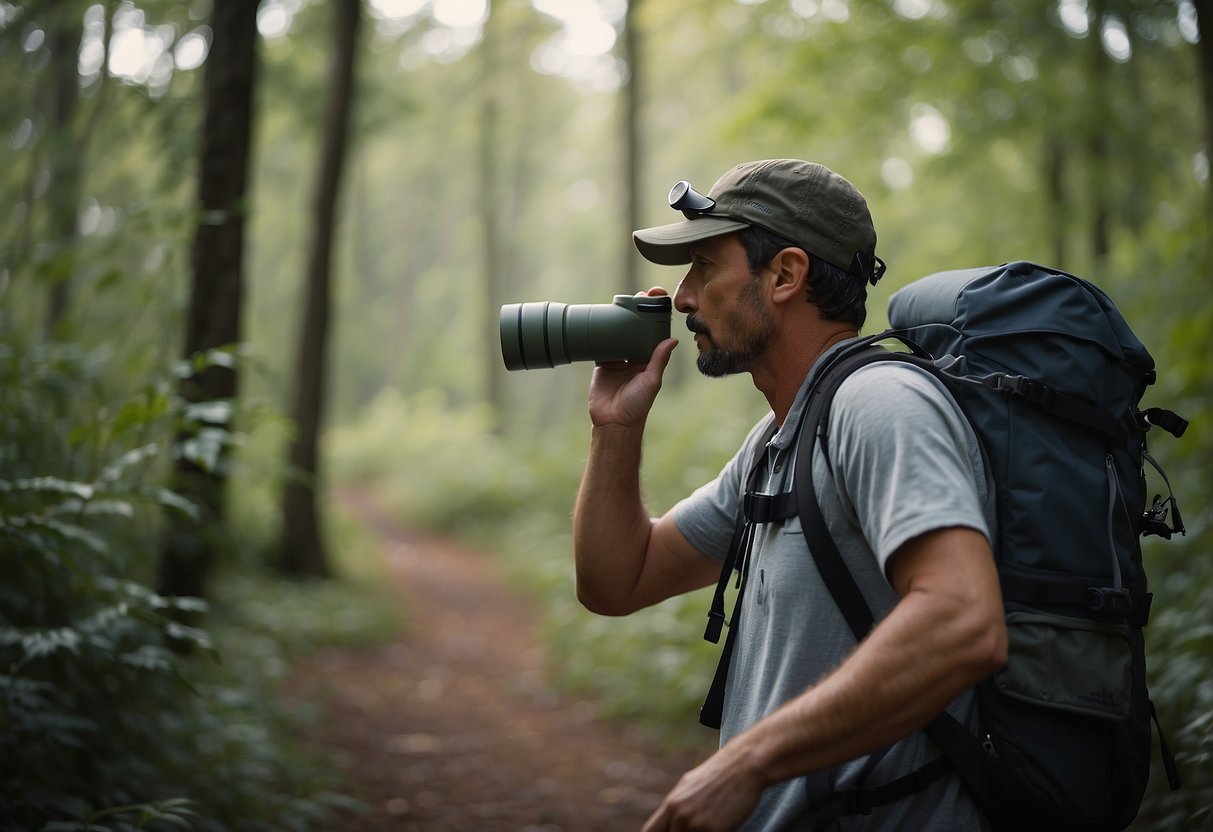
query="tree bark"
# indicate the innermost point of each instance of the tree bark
(302, 550)
(632, 174)
(63, 193)
(490, 207)
(1055, 177)
(1097, 141)
(215, 304)
(1204, 22)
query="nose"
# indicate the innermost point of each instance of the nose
(684, 298)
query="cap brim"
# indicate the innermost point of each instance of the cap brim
(670, 245)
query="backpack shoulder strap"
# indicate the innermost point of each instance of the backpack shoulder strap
(961, 750)
(712, 711)
(825, 554)
(834, 572)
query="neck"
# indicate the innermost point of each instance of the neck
(779, 377)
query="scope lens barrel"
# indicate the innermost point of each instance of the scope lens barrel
(532, 335)
(547, 334)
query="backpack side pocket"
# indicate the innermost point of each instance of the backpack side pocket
(1070, 664)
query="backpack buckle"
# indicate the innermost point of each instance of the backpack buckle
(1108, 599)
(1030, 389)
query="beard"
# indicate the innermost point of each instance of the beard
(753, 332)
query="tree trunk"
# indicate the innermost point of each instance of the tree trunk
(302, 548)
(1097, 141)
(214, 312)
(1055, 177)
(632, 175)
(63, 193)
(1204, 19)
(490, 207)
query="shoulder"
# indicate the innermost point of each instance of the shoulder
(893, 410)
(707, 516)
(892, 390)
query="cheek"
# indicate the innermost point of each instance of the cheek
(714, 303)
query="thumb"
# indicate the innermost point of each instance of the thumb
(661, 356)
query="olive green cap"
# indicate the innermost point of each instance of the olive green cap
(804, 202)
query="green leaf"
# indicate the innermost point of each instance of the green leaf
(186, 603)
(213, 412)
(173, 500)
(193, 635)
(109, 508)
(65, 531)
(205, 449)
(150, 657)
(41, 643)
(119, 466)
(50, 485)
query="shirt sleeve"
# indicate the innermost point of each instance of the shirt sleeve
(708, 516)
(903, 458)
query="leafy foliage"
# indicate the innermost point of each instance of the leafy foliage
(113, 712)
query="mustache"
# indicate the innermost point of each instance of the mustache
(697, 326)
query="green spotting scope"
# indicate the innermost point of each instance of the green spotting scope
(545, 334)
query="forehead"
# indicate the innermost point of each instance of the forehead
(717, 247)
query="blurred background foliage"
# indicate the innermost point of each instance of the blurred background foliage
(492, 159)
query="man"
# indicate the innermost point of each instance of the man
(780, 253)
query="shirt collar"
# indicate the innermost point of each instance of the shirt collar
(787, 432)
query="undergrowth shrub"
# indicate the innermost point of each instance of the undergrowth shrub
(114, 714)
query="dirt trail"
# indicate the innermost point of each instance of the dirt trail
(454, 727)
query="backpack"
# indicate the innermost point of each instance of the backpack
(1050, 377)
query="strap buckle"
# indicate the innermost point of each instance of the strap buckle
(1110, 600)
(1027, 388)
(756, 507)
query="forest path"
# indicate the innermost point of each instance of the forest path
(454, 727)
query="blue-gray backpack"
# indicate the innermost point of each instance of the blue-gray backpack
(1051, 378)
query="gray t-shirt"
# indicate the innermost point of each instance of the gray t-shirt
(902, 461)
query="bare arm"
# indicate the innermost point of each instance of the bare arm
(945, 635)
(624, 559)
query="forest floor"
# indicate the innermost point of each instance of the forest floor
(455, 725)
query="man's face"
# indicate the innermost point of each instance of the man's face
(725, 307)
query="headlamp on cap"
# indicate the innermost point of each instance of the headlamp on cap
(689, 201)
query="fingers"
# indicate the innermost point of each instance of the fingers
(662, 353)
(654, 368)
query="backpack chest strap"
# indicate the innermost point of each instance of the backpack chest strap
(768, 508)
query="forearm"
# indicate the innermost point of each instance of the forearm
(611, 525)
(917, 661)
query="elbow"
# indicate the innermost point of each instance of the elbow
(992, 656)
(985, 650)
(599, 603)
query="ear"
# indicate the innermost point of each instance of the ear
(791, 271)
